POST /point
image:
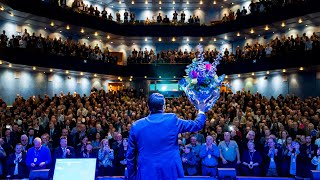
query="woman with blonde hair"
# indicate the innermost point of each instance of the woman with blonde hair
(105, 157)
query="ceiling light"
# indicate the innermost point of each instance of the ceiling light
(214, 39)
(11, 14)
(187, 2)
(226, 76)
(214, 2)
(238, 34)
(67, 72)
(146, 2)
(268, 72)
(96, 33)
(68, 27)
(173, 39)
(119, 77)
(266, 28)
(132, 2)
(52, 23)
(284, 70)
(145, 77)
(159, 76)
(239, 75)
(51, 70)
(301, 69)
(225, 37)
(201, 2)
(81, 73)
(188, 39)
(251, 31)
(1, 62)
(145, 39)
(201, 39)
(173, 2)
(300, 21)
(108, 37)
(10, 65)
(82, 30)
(160, 2)
(283, 24)
(252, 74)
(95, 75)
(34, 68)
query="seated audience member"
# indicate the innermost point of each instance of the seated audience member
(189, 161)
(45, 141)
(16, 164)
(38, 157)
(64, 151)
(82, 146)
(105, 157)
(209, 154)
(272, 157)
(251, 161)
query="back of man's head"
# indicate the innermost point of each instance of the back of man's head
(156, 103)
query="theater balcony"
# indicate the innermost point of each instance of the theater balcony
(35, 57)
(39, 8)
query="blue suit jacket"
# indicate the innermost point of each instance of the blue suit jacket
(153, 151)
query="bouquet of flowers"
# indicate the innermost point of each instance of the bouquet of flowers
(202, 85)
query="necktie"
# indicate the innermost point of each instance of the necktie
(64, 152)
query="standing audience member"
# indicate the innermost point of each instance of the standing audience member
(209, 155)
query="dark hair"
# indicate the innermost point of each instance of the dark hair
(156, 102)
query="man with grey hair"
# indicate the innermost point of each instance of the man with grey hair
(38, 157)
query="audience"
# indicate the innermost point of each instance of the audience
(264, 122)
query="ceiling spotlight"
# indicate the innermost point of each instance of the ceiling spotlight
(67, 72)
(301, 69)
(82, 30)
(34, 68)
(145, 77)
(68, 27)
(239, 75)
(252, 74)
(96, 33)
(214, 2)
(146, 2)
(95, 75)
(225, 37)
(300, 21)
(201, 2)
(10, 65)
(173, 2)
(145, 39)
(160, 2)
(284, 70)
(52, 23)
(201, 39)
(238, 34)
(108, 37)
(51, 70)
(283, 24)
(214, 39)
(132, 2)
(173, 39)
(159, 39)
(251, 31)
(266, 28)
(268, 72)
(187, 2)
(188, 39)
(226, 76)
(81, 73)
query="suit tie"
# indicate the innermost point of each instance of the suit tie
(64, 152)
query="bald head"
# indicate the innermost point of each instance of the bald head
(37, 143)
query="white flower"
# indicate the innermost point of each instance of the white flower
(194, 81)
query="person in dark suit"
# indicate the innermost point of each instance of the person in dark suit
(54, 135)
(153, 151)
(16, 164)
(9, 141)
(64, 151)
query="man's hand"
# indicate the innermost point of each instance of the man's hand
(68, 151)
(33, 165)
(42, 164)
(202, 107)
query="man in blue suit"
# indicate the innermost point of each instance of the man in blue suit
(153, 151)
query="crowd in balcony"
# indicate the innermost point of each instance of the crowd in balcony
(57, 46)
(256, 51)
(257, 136)
(255, 8)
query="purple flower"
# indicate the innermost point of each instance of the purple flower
(194, 74)
(208, 67)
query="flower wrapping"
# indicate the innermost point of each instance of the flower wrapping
(202, 84)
